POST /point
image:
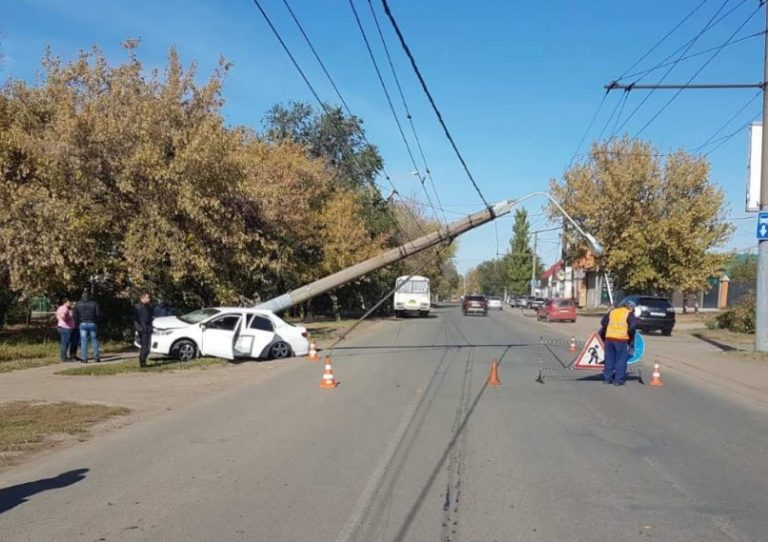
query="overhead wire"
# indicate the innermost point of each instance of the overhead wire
(431, 100)
(734, 41)
(662, 40)
(405, 107)
(390, 104)
(723, 140)
(325, 108)
(696, 74)
(727, 122)
(686, 48)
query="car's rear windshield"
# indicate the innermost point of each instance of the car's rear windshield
(195, 317)
(494, 298)
(564, 303)
(655, 302)
(475, 298)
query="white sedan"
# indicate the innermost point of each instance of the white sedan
(494, 303)
(229, 333)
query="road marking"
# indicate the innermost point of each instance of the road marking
(365, 500)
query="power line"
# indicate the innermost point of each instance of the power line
(675, 63)
(731, 119)
(723, 140)
(643, 73)
(662, 40)
(324, 107)
(589, 128)
(405, 106)
(432, 101)
(709, 60)
(391, 105)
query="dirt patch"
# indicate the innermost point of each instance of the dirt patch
(26, 426)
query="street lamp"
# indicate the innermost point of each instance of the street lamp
(597, 248)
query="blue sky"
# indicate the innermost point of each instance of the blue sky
(518, 82)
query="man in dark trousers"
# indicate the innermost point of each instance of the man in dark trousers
(87, 316)
(617, 330)
(142, 321)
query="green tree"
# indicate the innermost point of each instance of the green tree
(520, 259)
(657, 221)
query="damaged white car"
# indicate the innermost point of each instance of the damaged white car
(229, 333)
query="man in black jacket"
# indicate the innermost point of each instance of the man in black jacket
(87, 316)
(142, 321)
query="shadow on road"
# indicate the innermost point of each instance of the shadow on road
(11, 497)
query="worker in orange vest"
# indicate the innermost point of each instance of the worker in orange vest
(617, 329)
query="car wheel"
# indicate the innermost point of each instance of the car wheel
(666, 332)
(184, 350)
(279, 350)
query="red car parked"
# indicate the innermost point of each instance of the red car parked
(557, 309)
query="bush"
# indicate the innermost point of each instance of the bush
(741, 317)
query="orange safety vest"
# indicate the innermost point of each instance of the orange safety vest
(618, 329)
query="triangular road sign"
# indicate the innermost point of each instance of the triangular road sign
(592, 356)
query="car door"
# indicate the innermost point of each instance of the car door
(262, 329)
(219, 336)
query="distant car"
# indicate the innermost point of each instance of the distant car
(228, 332)
(557, 309)
(494, 303)
(653, 313)
(475, 304)
(534, 302)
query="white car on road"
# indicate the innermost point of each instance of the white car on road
(494, 303)
(228, 332)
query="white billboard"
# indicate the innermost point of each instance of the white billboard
(753, 177)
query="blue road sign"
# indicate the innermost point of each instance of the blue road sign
(762, 226)
(639, 349)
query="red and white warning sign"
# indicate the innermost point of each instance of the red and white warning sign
(593, 354)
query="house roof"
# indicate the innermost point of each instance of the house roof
(557, 266)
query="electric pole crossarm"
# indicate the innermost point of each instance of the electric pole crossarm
(692, 86)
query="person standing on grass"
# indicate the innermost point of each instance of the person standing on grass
(65, 325)
(87, 316)
(143, 313)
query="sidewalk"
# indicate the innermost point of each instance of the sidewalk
(684, 354)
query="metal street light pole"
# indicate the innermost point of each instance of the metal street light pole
(761, 309)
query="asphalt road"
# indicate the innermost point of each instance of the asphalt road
(414, 446)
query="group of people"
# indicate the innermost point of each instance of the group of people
(78, 327)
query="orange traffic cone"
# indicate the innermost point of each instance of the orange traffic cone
(656, 380)
(312, 351)
(493, 376)
(572, 344)
(328, 381)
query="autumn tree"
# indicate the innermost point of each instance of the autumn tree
(658, 220)
(437, 264)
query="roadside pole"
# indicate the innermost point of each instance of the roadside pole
(761, 304)
(761, 309)
(533, 267)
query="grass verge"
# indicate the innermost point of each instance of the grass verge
(29, 347)
(739, 341)
(132, 366)
(26, 425)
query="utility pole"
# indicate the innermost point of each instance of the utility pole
(533, 267)
(761, 308)
(443, 236)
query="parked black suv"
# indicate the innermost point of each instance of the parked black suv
(653, 313)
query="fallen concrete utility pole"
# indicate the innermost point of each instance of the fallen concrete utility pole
(444, 235)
